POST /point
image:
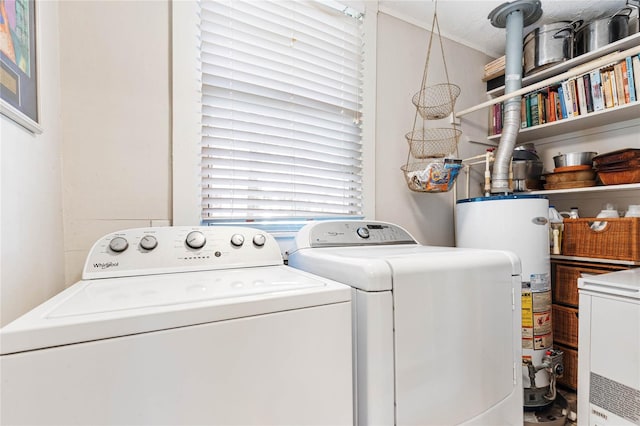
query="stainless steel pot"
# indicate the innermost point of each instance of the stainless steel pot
(600, 32)
(548, 45)
(634, 19)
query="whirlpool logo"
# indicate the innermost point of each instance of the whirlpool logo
(105, 265)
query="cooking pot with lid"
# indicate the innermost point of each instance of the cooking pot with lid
(600, 32)
(548, 45)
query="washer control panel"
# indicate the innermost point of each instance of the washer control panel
(344, 233)
(148, 251)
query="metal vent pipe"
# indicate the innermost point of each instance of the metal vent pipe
(514, 16)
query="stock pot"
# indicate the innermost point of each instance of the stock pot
(600, 32)
(548, 45)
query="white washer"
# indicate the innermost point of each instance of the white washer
(183, 325)
(436, 329)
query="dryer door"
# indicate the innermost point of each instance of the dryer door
(457, 339)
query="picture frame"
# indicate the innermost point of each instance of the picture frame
(18, 63)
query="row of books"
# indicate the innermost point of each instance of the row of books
(611, 86)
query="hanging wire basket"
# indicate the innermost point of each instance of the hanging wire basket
(436, 102)
(433, 143)
(435, 175)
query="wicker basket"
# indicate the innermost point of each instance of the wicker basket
(433, 143)
(436, 102)
(619, 240)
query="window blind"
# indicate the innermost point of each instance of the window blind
(281, 105)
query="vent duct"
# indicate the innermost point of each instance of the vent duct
(514, 17)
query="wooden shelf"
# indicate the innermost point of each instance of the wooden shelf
(581, 122)
(625, 43)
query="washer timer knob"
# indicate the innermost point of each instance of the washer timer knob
(237, 240)
(363, 232)
(148, 242)
(118, 244)
(195, 240)
(259, 240)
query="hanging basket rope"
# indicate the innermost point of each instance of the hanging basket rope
(434, 173)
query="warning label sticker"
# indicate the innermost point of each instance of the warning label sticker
(542, 301)
(542, 323)
(527, 343)
(527, 308)
(542, 342)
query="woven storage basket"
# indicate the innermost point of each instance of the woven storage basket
(619, 240)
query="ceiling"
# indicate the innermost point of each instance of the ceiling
(466, 21)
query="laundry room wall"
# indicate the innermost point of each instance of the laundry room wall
(402, 51)
(115, 68)
(31, 246)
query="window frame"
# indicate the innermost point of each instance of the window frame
(186, 118)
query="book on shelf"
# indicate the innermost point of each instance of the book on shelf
(636, 75)
(596, 90)
(631, 82)
(618, 75)
(607, 90)
(582, 98)
(614, 86)
(535, 112)
(575, 102)
(588, 96)
(567, 98)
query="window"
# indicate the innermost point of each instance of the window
(281, 110)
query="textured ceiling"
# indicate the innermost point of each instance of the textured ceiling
(466, 21)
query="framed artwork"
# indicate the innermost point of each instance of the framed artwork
(18, 63)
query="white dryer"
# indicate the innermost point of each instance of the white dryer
(183, 325)
(437, 337)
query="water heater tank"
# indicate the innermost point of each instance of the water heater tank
(519, 223)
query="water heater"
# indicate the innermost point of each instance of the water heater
(519, 223)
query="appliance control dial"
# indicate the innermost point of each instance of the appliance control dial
(118, 244)
(148, 242)
(196, 240)
(259, 240)
(237, 240)
(363, 232)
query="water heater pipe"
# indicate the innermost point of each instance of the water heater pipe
(512, 107)
(512, 17)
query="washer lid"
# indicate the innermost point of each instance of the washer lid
(99, 309)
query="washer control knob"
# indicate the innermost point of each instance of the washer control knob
(196, 240)
(237, 240)
(118, 244)
(363, 232)
(259, 240)
(148, 242)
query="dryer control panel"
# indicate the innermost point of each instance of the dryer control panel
(344, 233)
(148, 251)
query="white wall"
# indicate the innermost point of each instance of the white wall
(32, 264)
(115, 81)
(402, 51)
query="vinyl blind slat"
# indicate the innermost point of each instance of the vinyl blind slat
(281, 100)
